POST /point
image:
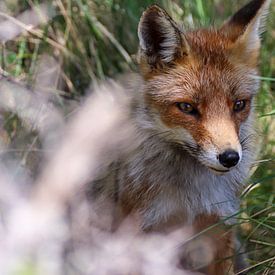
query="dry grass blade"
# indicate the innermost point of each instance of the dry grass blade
(255, 265)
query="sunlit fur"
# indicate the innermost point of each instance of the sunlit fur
(171, 179)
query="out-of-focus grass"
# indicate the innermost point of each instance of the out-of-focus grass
(93, 40)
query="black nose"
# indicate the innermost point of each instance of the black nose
(229, 158)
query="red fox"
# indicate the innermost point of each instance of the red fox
(194, 113)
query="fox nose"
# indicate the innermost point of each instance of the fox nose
(229, 158)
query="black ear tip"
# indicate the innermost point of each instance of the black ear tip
(248, 12)
(154, 9)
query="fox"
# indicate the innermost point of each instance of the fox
(193, 108)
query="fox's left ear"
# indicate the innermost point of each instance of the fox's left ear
(245, 27)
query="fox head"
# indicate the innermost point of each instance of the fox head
(199, 85)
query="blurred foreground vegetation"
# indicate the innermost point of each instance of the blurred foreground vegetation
(97, 39)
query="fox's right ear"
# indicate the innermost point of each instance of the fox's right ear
(161, 41)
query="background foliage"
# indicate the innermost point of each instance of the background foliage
(94, 40)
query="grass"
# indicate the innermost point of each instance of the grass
(95, 40)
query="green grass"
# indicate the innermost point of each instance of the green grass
(94, 40)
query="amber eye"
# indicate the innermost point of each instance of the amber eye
(186, 108)
(239, 105)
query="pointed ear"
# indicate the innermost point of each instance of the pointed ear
(245, 27)
(160, 39)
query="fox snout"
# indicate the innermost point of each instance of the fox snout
(221, 160)
(221, 149)
(229, 158)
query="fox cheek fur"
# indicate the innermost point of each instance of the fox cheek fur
(209, 69)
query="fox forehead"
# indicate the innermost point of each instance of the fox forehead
(210, 44)
(196, 81)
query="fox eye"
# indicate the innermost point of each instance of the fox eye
(187, 108)
(239, 105)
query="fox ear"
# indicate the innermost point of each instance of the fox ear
(160, 39)
(245, 27)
